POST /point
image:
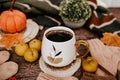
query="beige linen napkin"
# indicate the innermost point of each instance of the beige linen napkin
(107, 56)
(44, 76)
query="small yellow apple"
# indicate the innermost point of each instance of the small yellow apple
(35, 43)
(90, 64)
(31, 55)
(21, 48)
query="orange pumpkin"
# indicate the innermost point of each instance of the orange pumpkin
(12, 21)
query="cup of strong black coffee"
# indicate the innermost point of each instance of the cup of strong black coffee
(58, 46)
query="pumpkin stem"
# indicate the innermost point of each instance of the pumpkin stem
(12, 4)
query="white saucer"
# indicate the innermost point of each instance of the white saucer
(32, 29)
(60, 72)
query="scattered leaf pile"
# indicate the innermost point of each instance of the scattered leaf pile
(111, 39)
(11, 39)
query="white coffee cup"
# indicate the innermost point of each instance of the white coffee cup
(58, 52)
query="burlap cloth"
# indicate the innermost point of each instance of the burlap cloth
(30, 71)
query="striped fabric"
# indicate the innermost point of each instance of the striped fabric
(102, 20)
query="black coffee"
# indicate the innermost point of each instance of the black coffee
(59, 35)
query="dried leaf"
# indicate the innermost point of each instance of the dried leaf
(10, 40)
(111, 39)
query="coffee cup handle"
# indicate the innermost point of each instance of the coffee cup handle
(77, 44)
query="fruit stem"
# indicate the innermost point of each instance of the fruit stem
(12, 4)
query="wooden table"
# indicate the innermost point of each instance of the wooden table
(30, 71)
